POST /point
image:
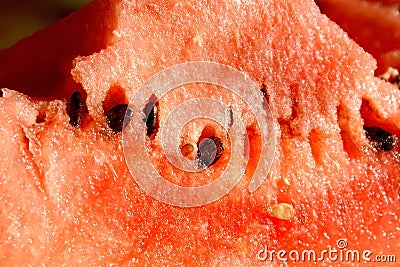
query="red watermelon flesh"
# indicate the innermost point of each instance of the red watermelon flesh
(67, 193)
(40, 65)
(375, 25)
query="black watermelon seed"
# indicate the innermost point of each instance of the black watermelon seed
(264, 92)
(116, 117)
(151, 110)
(207, 148)
(76, 109)
(1, 93)
(380, 139)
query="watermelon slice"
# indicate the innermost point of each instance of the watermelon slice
(68, 195)
(374, 24)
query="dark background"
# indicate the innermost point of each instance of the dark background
(21, 18)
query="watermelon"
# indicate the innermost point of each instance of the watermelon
(374, 24)
(68, 194)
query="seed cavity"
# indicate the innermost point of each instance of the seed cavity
(380, 139)
(282, 211)
(151, 111)
(119, 117)
(75, 110)
(114, 96)
(209, 151)
(41, 117)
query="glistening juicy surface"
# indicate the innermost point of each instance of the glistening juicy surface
(66, 191)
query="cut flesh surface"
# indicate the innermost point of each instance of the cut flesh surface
(67, 194)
